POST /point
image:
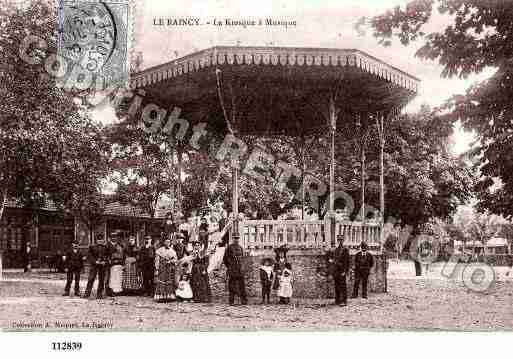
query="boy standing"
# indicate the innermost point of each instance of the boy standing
(266, 279)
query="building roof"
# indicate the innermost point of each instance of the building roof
(49, 205)
(296, 86)
(112, 209)
(274, 56)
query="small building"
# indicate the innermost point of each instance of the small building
(51, 231)
(497, 245)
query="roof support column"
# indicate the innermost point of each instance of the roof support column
(362, 172)
(179, 178)
(381, 133)
(235, 197)
(333, 127)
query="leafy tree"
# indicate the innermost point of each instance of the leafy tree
(424, 181)
(140, 167)
(477, 226)
(48, 147)
(478, 37)
(83, 168)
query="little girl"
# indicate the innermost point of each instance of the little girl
(184, 291)
(285, 290)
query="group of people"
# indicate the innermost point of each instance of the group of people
(172, 271)
(178, 270)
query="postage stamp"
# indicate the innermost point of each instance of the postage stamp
(94, 38)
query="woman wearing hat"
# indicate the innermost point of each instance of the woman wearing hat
(199, 275)
(165, 261)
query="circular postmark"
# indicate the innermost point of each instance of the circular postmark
(88, 36)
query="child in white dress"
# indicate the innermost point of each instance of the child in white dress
(286, 280)
(184, 291)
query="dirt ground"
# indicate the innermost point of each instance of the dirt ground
(433, 302)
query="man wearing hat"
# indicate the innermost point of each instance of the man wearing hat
(233, 261)
(340, 270)
(178, 245)
(363, 263)
(146, 262)
(99, 257)
(73, 264)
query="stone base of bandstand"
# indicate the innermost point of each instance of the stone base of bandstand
(309, 268)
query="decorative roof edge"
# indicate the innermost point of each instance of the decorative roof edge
(292, 56)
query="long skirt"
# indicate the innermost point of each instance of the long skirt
(116, 275)
(165, 282)
(199, 281)
(131, 279)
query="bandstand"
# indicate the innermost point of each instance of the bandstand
(301, 92)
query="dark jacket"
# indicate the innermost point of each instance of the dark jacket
(146, 258)
(99, 253)
(130, 251)
(265, 279)
(203, 227)
(179, 248)
(74, 261)
(363, 263)
(341, 261)
(117, 256)
(233, 260)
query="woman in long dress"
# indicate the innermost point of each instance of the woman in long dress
(199, 275)
(131, 280)
(165, 261)
(116, 270)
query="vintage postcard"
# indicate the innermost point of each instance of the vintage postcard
(255, 166)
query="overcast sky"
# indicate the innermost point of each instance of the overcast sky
(320, 23)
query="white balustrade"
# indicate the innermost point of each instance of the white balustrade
(267, 234)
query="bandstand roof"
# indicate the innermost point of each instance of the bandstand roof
(276, 90)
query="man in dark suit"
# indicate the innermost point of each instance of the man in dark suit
(233, 261)
(340, 270)
(363, 263)
(146, 262)
(99, 258)
(73, 264)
